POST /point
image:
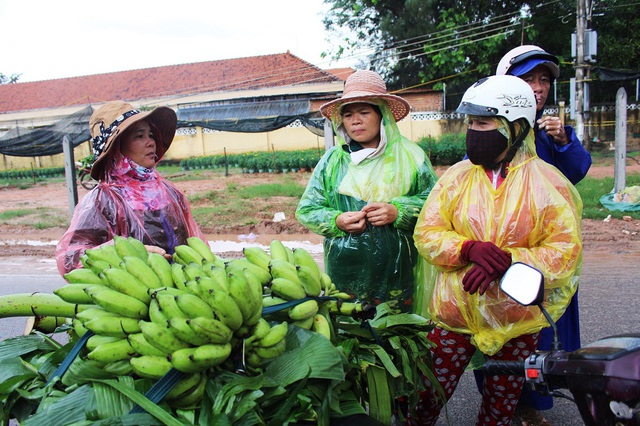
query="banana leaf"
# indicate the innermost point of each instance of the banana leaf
(308, 354)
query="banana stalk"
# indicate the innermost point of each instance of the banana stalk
(36, 304)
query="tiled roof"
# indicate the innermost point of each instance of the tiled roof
(249, 73)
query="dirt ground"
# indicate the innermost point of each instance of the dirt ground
(614, 236)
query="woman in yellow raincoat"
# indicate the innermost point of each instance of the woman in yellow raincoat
(503, 205)
(366, 192)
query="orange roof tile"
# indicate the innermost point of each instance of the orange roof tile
(248, 73)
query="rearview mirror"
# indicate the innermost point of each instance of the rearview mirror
(523, 283)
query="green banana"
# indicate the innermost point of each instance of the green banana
(310, 280)
(283, 269)
(207, 285)
(38, 304)
(162, 268)
(94, 312)
(192, 287)
(253, 360)
(150, 366)
(161, 337)
(344, 308)
(112, 351)
(211, 329)
(178, 275)
(82, 276)
(193, 271)
(119, 368)
(302, 257)
(201, 358)
(155, 312)
(116, 302)
(341, 295)
(97, 266)
(105, 253)
(290, 257)
(274, 336)
(219, 274)
(141, 270)
(278, 251)
(304, 310)
(240, 290)
(139, 343)
(169, 307)
(113, 326)
(190, 399)
(183, 331)
(238, 265)
(272, 300)
(325, 279)
(306, 323)
(193, 306)
(78, 327)
(96, 340)
(225, 309)
(202, 247)
(287, 289)
(258, 256)
(124, 247)
(259, 330)
(185, 384)
(124, 282)
(187, 255)
(321, 325)
(139, 247)
(271, 351)
(74, 293)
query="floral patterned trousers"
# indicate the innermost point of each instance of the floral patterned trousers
(450, 358)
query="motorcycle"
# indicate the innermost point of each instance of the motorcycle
(603, 377)
(84, 176)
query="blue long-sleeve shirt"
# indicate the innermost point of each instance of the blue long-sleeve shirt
(571, 159)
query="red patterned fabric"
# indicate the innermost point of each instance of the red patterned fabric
(450, 358)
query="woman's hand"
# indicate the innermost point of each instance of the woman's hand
(159, 250)
(352, 222)
(380, 214)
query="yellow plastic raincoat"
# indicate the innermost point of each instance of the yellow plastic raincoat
(534, 214)
(376, 265)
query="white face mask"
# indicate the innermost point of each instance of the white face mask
(358, 156)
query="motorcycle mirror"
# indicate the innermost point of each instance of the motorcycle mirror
(523, 283)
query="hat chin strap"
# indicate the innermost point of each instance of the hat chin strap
(514, 146)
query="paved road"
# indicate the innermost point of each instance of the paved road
(608, 305)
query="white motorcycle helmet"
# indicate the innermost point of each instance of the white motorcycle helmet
(500, 96)
(522, 59)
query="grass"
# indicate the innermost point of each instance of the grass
(37, 218)
(592, 189)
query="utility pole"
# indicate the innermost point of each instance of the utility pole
(580, 65)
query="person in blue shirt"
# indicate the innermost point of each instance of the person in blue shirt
(557, 144)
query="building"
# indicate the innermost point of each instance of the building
(267, 102)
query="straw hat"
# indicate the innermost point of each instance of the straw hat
(113, 118)
(365, 86)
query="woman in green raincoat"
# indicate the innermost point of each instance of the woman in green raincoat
(366, 192)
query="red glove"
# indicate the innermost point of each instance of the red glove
(477, 279)
(487, 255)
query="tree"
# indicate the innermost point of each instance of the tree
(444, 41)
(6, 79)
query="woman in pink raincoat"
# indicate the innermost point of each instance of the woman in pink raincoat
(132, 199)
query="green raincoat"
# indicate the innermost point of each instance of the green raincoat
(378, 264)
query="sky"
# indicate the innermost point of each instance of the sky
(44, 39)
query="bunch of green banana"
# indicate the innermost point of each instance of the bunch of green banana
(265, 342)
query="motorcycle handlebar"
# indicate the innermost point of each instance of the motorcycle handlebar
(495, 367)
